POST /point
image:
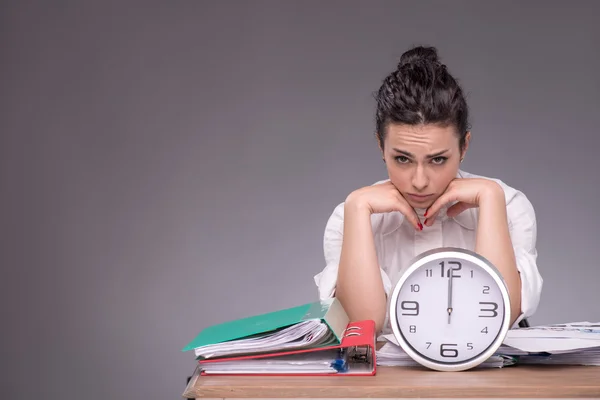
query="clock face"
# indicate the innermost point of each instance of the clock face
(450, 310)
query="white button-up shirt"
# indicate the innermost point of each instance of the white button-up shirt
(397, 243)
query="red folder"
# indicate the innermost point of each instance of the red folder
(358, 343)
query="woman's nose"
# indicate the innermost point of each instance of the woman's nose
(420, 180)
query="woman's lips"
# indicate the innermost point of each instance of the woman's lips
(418, 197)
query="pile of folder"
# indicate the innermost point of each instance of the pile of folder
(311, 339)
(318, 339)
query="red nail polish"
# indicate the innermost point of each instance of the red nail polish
(420, 226)
(426, 211)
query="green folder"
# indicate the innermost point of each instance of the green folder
(329, 311)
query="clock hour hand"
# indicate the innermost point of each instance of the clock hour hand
(450, 276)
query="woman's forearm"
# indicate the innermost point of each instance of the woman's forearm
(494, 243)
(359, 285)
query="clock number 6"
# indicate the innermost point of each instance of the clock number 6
(446, 352)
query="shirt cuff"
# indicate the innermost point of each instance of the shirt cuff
(531, 284)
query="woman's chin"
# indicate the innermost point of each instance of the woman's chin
(421, 203)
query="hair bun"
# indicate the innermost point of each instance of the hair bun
(419, 54)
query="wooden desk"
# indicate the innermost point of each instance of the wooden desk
(543, 381)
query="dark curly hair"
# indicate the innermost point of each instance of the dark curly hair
(421, 91)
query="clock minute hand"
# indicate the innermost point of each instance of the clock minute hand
(450, 276)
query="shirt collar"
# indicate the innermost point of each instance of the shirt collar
(467, 219)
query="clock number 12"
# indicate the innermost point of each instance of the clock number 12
(450, 270)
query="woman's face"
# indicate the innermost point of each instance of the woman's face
(422, 160)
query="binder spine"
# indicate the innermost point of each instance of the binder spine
(357, 353)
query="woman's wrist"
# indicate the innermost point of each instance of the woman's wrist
(492, 196)
(356, 205)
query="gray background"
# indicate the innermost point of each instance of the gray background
(170, 165)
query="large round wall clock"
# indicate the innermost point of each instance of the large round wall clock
(450, 310)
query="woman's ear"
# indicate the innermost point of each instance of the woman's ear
(465, 146)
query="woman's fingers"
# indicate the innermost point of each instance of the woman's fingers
(434, 209)
(409, 212)
(430, 219)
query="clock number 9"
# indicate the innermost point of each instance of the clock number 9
(414, 308)
(446, 352)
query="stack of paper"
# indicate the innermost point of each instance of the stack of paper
(327, 361)
(306, 334)
(576, 343)
(392, 355)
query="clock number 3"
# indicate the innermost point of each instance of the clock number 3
(492, 310)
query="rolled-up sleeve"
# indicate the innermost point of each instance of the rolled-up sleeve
(326, 280)
(523, 231)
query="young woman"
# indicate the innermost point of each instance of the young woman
(428, 201)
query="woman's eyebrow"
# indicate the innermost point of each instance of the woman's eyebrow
(409, 154)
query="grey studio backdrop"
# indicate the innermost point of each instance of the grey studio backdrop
(170, 165)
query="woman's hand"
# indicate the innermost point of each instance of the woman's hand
(382, 198)
(468, 193)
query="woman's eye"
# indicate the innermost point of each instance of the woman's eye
(402, 159)
(439, 160)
